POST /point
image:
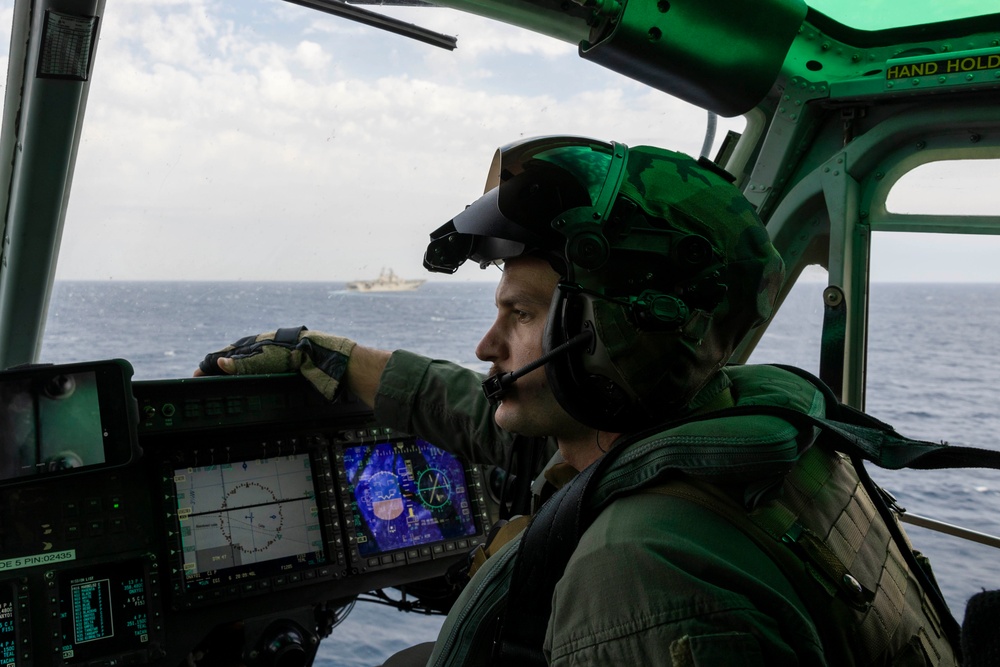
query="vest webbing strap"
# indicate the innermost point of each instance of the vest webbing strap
(541, 559)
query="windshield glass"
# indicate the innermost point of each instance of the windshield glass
(264, 142)
(885, 14)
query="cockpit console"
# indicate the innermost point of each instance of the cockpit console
(137, 517)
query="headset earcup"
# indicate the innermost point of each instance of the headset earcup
(589, 396)
(558, 371)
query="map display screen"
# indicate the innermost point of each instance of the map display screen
(406, 493)
(247, 519)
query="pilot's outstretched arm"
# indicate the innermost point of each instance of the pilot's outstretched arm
(440, 401)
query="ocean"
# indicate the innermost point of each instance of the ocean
(932, 374)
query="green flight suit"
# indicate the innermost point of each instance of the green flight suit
(671, 575)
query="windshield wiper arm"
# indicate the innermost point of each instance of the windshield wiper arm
(375, 20)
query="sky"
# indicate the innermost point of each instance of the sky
(260, 140)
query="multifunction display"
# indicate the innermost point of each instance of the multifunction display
(406, 493)
(249, 518)
(8, 625)
(103, 610)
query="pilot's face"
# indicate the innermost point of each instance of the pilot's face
(515, 340)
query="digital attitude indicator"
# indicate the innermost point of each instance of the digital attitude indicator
(406, 493)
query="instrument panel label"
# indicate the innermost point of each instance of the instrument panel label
(942, 66)
(45, 558)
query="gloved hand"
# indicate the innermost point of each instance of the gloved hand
(320, 358)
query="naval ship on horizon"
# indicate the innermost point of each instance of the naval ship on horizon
(387, 281)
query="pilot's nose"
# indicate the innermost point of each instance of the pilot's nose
(491, 347)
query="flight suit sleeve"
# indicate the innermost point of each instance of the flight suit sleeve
(443, 403)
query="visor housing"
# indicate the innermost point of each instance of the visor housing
(530, 185)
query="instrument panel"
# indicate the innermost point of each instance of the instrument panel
(246, 500)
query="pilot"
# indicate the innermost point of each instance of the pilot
(688, 529)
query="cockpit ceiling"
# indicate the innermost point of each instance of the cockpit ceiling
(879, 15)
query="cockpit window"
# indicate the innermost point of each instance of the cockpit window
(279, 145)
(887, 14)
(794, 334)
(931, 328)
(948, 187)
(286, 144)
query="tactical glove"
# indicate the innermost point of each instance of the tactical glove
(320, 358)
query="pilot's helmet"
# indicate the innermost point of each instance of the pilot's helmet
(660, 256)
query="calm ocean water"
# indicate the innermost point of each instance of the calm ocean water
(932, 374)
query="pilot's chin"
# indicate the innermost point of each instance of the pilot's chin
(502, 416)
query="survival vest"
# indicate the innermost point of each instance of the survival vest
(805, 500)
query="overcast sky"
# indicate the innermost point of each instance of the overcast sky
(258, 140)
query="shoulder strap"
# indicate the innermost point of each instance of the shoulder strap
(873, 440)
(868, 439)
(545, 549)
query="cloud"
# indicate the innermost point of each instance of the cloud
(262, 139)
(291, 145)
(312, 56)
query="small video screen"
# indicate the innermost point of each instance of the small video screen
(406, 493)
(103, 611)
(49, 423)
(248, 519)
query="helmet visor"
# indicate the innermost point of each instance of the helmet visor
(530, 184)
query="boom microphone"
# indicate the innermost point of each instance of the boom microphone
(496, 386)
